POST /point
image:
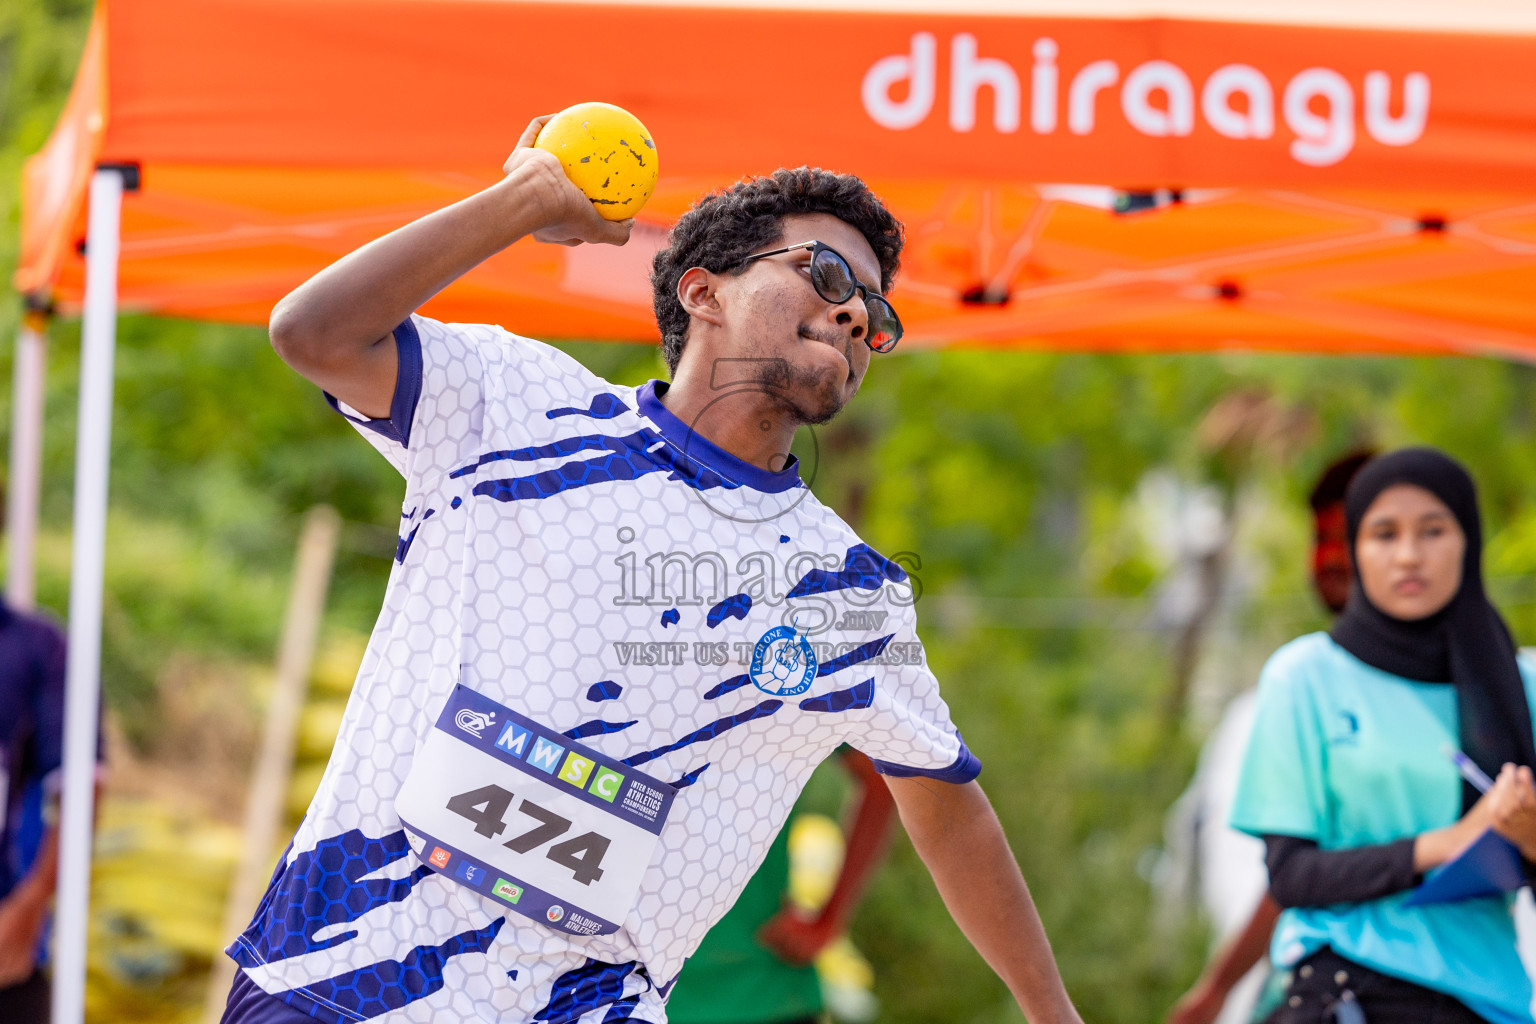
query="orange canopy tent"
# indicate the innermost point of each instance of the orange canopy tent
(1285, 174)
(1327, 186)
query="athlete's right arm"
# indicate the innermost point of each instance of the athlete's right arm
(337, 328)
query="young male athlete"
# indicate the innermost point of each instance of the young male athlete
(604, 669)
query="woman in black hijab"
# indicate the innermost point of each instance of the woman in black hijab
(1346, 781)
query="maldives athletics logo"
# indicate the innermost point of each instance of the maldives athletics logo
(783, 663)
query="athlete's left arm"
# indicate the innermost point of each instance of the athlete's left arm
(959, 837)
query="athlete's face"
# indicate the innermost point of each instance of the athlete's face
(808, 351)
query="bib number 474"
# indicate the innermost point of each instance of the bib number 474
(487, 808)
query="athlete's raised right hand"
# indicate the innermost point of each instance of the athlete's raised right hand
(567, 216)
(337, 328)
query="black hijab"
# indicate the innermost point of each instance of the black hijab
(1465, 643)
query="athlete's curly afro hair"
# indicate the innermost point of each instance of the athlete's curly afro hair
(725, 227)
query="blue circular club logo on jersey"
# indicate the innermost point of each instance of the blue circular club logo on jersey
(783, 662)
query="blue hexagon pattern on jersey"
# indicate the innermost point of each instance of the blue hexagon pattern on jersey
(583, 990)
(629, 458)
(863, 568)
(859, 654)
(734, 607)
(621, 1010)
(855, 698)
(605, 690)
(390, 984)
(603, 407)
(573, 445)
(319, 888)
(708, 732)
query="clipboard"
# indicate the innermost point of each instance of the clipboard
(1488, 867)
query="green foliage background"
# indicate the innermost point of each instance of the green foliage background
(1012, 476)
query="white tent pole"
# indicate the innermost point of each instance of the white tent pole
(83, 679)
(26, 468)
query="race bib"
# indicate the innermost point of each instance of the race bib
(531, 819)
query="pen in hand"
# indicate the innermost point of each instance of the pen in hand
(1468, 768)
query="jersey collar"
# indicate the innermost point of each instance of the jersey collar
(702, 451)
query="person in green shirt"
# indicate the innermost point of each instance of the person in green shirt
(1346, 781)
(754, 966)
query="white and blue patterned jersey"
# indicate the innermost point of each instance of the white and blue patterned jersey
(571, 550)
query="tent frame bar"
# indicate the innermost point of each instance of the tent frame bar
(26, 461)
(82, 700)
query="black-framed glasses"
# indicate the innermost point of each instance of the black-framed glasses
(834, 280)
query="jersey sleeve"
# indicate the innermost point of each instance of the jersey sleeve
(447, 374)
(906, 730)
(1281, 788)
(439, 381)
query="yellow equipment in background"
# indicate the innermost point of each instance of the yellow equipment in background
(815, 858)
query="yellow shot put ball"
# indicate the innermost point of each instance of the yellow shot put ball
(607, 154)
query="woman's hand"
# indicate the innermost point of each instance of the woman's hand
(1512, 808)
(1433, 848)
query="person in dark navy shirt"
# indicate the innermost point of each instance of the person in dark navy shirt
(31, 759)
